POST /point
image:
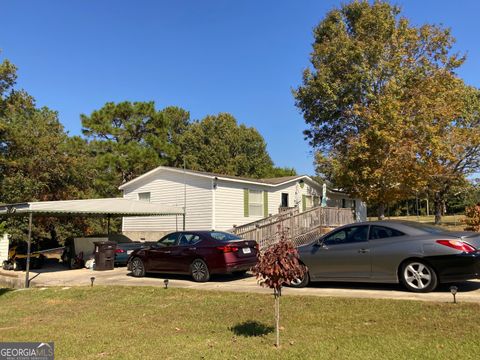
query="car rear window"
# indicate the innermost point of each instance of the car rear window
(382, 232)
(224, 236)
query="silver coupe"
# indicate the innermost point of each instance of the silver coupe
(416, 255)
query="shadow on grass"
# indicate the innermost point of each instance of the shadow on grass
(251, 328)
(214, 277)
(463, 286)
(4, 291)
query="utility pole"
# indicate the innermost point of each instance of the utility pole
(184, 193)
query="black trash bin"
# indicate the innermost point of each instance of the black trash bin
(104, 255)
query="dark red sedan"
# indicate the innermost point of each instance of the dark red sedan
(198, 253)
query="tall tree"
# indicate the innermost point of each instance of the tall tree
(218, 144)
(127, 139)
(37, 158)
(377, 100)
(178, 122)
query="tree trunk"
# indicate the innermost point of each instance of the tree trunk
(381, 211)
(438, 204)
(277, 294)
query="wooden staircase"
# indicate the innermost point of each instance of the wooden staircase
(300, 227)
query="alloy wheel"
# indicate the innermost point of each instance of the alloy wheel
(200, 271)
(417, 275)
(137, 267)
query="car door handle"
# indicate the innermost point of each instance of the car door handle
(363, 251)
(192, 248)
(167, 252)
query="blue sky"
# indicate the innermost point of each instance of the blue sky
(209, 56)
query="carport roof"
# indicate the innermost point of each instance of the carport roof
(109, 206)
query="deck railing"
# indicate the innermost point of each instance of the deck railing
(299, 227)
(273, 219)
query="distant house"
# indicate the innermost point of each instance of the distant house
(219, 202)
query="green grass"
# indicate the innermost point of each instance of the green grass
(153, 323)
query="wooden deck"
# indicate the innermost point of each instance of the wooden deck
(301, 228)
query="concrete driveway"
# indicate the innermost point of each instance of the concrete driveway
(59, 276)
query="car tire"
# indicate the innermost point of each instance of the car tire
(138, 267)
(16, 266)
(199, 271)
(418, 276)
(301, 283)
(72, 263)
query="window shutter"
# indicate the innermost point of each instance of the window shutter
(304, 202)
(265, 204)
(245, 202)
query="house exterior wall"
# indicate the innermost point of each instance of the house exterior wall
(4, 246)
(229, 201)
(214, 203)
(167, 188)
(229, 204)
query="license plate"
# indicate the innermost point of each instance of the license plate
(247, 250)
(129, 252)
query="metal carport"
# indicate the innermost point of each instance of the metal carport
(110, 207)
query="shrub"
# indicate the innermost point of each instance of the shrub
(277, 266)
(472, 218)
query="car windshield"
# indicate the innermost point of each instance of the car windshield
(224, 236)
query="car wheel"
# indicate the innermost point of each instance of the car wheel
(138, 268)
(72, 263)
(199, 271)
(300, 283)
(417, 276)
(16, 266)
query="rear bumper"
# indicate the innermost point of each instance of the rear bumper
(121, 259)
(459, 267)
(229, 267)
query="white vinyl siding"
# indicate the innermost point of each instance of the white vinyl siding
(225, 202)
(255, 203)
(229, 204)
(167, 188)
(275, 197)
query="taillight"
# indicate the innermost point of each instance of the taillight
(227, 249)
(458, 245)
(119, 251)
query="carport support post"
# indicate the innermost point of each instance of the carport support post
(29, 247)
(184, 219)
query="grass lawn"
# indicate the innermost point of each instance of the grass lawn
(450, 222)
(154, 323)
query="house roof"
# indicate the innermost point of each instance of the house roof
(266, 181)
(91, 207)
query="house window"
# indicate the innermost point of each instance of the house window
(308, 201)
(145, 196)
(255, 202)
